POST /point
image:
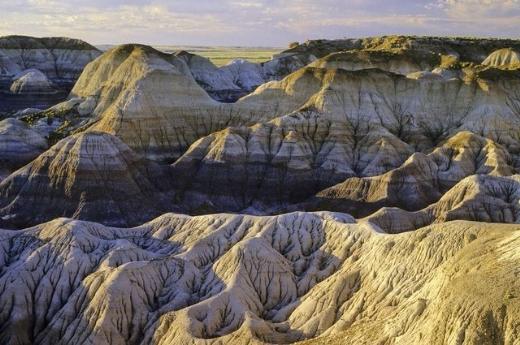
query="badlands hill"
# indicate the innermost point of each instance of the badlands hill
(159, 104)
(399, 54)
(346, 126)
(425, 107)
(60, 59)
(421, 180)
(478, 198)
(227, 83)
(265, 165)
(466, 49)
(505, 58)
(370, 181)
(85, 176)
(148, 99)
(234, 279)
(19, 145)
(39, 72)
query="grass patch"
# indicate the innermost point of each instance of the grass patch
(221, 56)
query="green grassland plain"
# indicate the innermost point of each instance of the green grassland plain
(221, 56)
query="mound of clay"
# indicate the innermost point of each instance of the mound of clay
(18, 145)
(31, 81)
(238, 279)
(267, 164)
(503, 58)
(420, 181)
(91, 176)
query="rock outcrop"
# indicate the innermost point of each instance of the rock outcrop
(60, 59)
(219, 83)
(420, 181)
(482, 198)
(397, 54)
(419, 109)
(399, 62)
(503, 58)
(254, 280)
(264, 166)
(247, 75)
(415, 137)
(461, 49)
(91, 176)
(351, 117)
(31, 81)
(19, 145)
(47, 68)
(150, 100)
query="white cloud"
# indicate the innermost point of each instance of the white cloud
(481, 8)
(254, 22)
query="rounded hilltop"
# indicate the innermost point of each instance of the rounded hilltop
(361, 183)
(24, 42)
(503, 58)
(85, 176)
(46, 68)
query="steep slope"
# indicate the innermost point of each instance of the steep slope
(266, 165)
(247, 75)
(248, 280)
(400, 62)
(441, 305)
(49, 68)
(422, 110)
(152, 102)
(464, 49)
(503, 58)
(420, 181)
(480, 198)
(59, 58)
(31, 81)
(149, 100)
(227, 83)
(18, 145)
(86, 176)
(397, 54)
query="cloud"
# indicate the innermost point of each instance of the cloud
(480, 17)
(254, 22)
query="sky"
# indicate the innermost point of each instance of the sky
(273, 23)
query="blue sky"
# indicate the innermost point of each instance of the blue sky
(254, 22)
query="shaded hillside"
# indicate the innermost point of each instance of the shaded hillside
(40, 72)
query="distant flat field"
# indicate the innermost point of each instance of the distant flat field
(222, 55)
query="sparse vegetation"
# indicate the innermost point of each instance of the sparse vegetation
(223, 55)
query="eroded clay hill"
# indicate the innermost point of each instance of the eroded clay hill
(503, 58)
(480, 198)
(421, 180)
(150, 100)
(415, 140)
(461, 49)
(398, 54)
(251, 280)
(92, 176)
(159, 104)
(19, 145)
(39, 72)
(352, 126)
(422, 109)
(264, 166)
